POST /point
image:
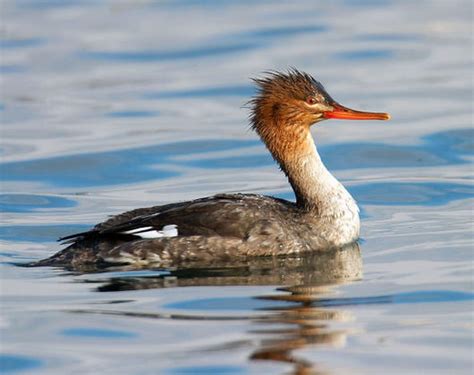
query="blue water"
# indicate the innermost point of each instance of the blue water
(14, 363)
(97, 333)
(109, 106)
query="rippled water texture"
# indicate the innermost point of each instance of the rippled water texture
(111, 105)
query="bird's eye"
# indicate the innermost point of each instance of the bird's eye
(311, 100)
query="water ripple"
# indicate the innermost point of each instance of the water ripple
(132, 114)
(276, 302)
(139, 164)
(423, 296)
(367, 54)
(408, 194)
(404, 194)
(282, 31)
(32, 202)
(10, 363)
(112, 167)
(242, 90)
(151, 55)
(20, 43)
(99, 333)
(39, 233)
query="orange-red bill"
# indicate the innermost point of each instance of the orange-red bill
(344, 113)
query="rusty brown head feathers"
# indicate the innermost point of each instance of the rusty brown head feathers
(292, 97)
(285, 107)
(287, 104)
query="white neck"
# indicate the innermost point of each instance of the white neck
(315, 187)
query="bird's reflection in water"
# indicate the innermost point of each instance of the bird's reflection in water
(305, 282)
(308, 325)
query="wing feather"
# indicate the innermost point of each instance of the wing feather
(231, 215)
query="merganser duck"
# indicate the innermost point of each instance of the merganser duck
(228, 226)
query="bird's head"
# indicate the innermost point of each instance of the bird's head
(295, 99)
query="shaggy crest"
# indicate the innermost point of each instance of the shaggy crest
(285, 92)
(293, 83)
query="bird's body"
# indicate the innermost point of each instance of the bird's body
(227, 226)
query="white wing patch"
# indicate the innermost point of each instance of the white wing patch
(170, 230)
